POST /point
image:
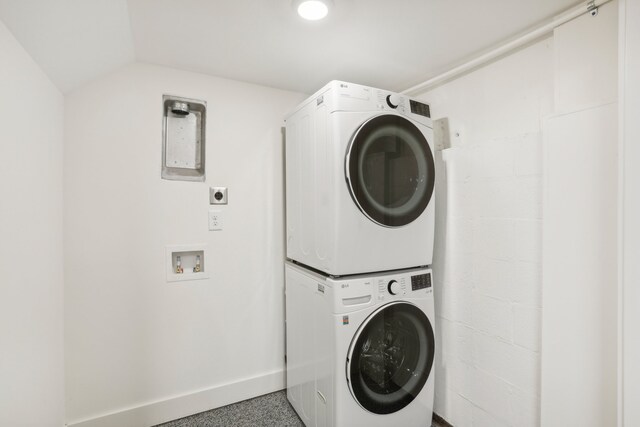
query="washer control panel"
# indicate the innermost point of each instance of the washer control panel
(394, 286)
(355, 292)
(420, 281)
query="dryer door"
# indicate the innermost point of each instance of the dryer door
(390, 358)
(390, 170)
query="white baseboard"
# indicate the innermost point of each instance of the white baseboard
(189, 404)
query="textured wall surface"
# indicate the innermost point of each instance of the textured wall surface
(487, 262)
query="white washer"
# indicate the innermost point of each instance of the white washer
(359, 181)
(360, 350)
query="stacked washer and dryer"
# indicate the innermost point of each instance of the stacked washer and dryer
(360, 227)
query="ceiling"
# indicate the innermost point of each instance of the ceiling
(385, 43)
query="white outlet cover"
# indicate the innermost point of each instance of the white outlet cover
(215, 220)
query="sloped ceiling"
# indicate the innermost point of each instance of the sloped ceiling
(385, 43)
(74, 41)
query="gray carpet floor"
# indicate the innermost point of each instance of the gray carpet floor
(269, 410)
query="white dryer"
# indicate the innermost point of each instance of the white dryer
(359, 181)
(360, 350)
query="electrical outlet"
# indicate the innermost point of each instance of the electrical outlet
(215, 220)
(218, 196)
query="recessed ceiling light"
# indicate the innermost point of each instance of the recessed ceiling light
(312, 10)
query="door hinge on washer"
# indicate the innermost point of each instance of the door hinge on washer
(592, 8)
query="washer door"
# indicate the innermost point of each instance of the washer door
(390, 358)
(390, 170)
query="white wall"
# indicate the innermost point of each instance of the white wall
(630, 205)
(579, 257)
(31, 288)
(487, 262)
(579, 325)
(136, 345)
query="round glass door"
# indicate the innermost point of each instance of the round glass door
(390, 170)
(390, 358)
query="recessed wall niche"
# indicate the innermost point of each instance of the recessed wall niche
(183, 138)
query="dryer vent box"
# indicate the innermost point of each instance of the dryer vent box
(183, 138)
